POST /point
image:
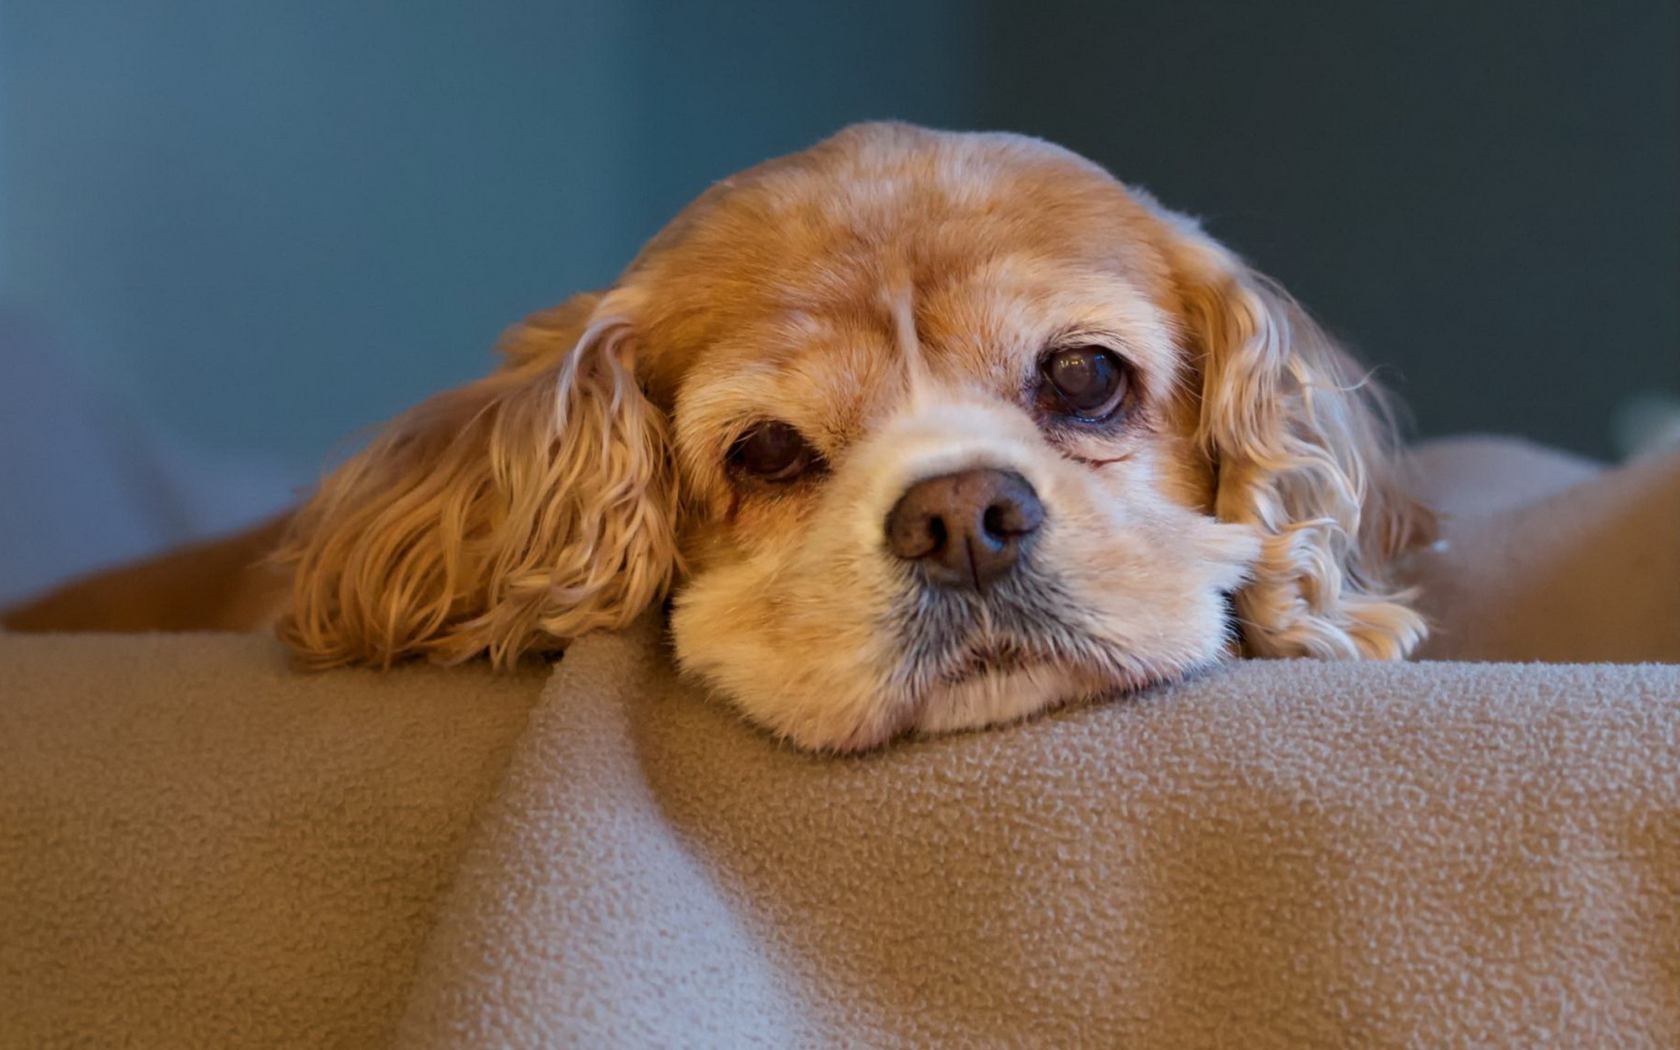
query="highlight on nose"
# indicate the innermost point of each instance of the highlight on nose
(965, 529)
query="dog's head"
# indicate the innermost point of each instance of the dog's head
(927, 430)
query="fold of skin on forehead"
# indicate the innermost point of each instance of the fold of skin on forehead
(824, 231)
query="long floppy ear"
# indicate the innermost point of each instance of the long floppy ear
(509, 515)
(1305, 450)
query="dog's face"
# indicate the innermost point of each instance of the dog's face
(928, 431)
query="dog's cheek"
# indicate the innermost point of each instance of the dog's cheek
(1149, 575)
(792, 653)
(1228, 551)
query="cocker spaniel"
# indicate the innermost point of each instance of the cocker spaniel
(917, 430)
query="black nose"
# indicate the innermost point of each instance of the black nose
(965, 529)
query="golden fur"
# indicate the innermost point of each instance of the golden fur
(887, 292)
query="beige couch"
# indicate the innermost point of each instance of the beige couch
(199, 847)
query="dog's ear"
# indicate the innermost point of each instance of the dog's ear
(1304, 448)
(509, 515)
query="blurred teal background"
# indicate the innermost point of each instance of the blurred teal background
(232, 234)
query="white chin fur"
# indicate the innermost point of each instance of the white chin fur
(996, 697)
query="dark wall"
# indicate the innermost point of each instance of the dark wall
(1484, 195)
(264, 226)
(723, 84)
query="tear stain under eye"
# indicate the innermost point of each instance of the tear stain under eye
(1098, 462)
(1139, 425)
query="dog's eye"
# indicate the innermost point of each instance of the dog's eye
(1086, 382)
(773, 452)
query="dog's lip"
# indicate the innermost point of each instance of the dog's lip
(992, 656)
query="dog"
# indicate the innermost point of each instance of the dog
(916, 430)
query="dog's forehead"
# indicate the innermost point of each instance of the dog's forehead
(790, 269)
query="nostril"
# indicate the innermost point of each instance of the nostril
(915, 531)
(995, 522)
(1014, 513)
(937, 533)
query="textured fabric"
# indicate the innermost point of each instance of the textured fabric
(200, 848)
(1474, 475)
(1278, 854)
(89, 484)
(1546, 558)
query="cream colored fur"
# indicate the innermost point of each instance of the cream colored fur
(511, 515)
(889, 293)
(1305, 451)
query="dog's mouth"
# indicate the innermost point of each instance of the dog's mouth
(955, 638)
(970, 660)
(991, 656)
(996, 679)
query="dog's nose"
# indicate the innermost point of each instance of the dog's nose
(965, 529)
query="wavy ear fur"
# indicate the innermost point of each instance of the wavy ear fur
(1305, 450)
(509, 515)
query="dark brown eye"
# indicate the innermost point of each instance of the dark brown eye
(1086, 382)
(772, 452)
